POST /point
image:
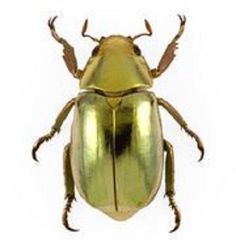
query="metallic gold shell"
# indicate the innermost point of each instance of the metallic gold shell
(117, 151)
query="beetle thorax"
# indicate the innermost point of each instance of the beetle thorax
(116, 66)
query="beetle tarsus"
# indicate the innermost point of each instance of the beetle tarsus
(198, 141)
(51, 22)
(66, 211)
(34, 156)
(182, 25)
(38, 143)
(202, 152)
(182, 19)
(200, 147)
(174, 207)
(52, 28)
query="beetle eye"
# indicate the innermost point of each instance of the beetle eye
(95, 51)
(137, 50)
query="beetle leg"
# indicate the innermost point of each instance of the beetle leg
(69, 54)
(176, 115)
(169, 53)
(169, 179)
(69, 186)
(55, 128)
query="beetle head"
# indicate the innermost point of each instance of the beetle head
(116, 64)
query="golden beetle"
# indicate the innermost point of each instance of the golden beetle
(115, 156)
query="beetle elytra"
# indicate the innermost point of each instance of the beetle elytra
(115, 158)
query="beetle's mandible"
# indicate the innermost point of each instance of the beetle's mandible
(115, 157)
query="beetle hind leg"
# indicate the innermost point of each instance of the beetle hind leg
(66, 211)
(69, 187)
(169, 180)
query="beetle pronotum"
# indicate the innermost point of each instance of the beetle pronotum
(115, 157)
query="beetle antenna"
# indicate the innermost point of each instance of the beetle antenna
(149, 29)
(84, 29)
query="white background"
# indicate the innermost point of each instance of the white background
(35, 84)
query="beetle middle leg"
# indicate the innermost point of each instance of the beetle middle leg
(169, 181)
(55, 128)
(176, 115)
(69, 187)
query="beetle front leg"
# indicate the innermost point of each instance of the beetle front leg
(69, 187)
(169, 53)
(69, 54)
(170, 180)
(176, 115)
(55, 128)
